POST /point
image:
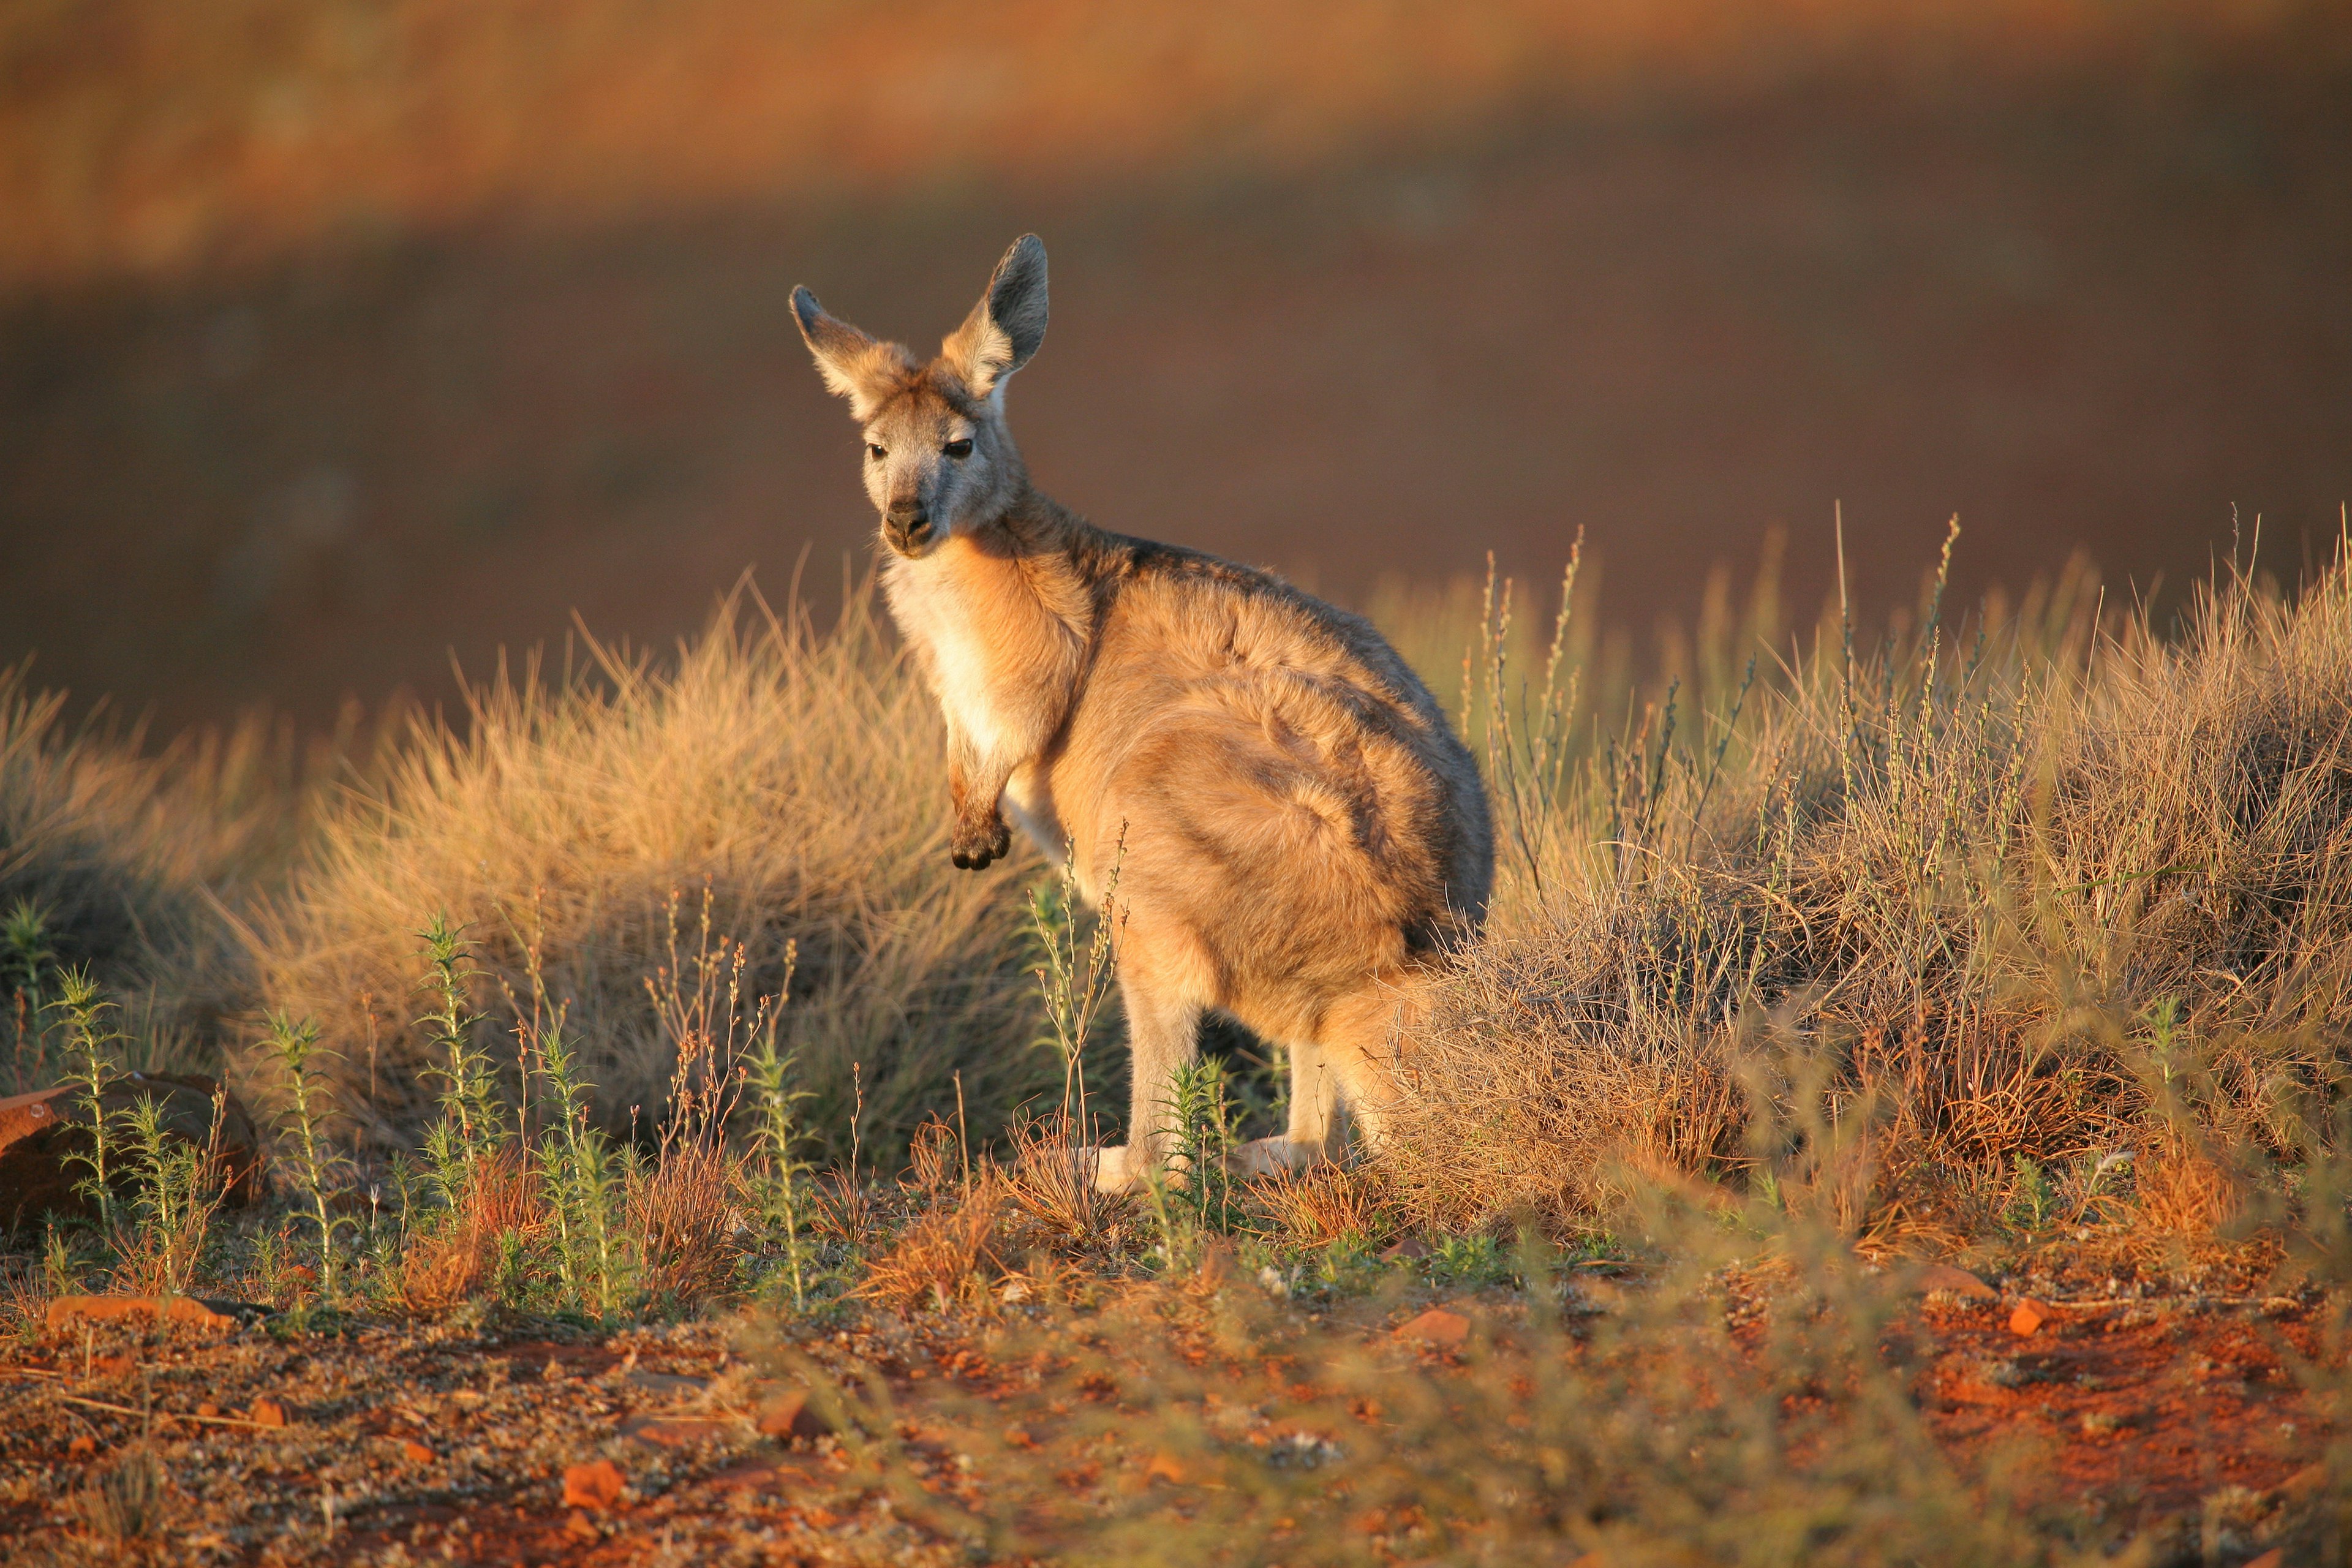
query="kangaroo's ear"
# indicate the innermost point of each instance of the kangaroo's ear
(855, 367)
(1007, 325)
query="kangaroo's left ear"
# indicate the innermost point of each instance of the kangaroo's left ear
(1007, 325)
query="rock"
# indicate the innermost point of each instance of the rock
(789, 1415)
(82, 1447)
(1412, 1246)
(596, 1485)
(40, 1132)
(1934, 1279)
(207, 1408)
(189, 1311)
(2028, 1318)
(580, 1527)
(2274, 1558)
(416, 1453)
(1435, 1327)
(674, 1431)
(267, 1412)
(1166, 1467)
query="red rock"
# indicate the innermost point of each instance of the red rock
(1166, 1467)
(596, 1484)
(2028, 1318)
(579, 1527)
(789, 1415)
(40, 1132)
(82, 1447)
(674, 1431)
(187, 1310)
(1931, 1278)
(207, 1408)
(1436, 1326)
(267, 1412)
(416, 1453)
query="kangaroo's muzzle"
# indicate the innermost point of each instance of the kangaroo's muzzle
(906, 529)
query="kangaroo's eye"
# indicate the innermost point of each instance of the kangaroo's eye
(877, 452)
(959, 448)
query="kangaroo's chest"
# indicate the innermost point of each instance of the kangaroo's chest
(960, 650)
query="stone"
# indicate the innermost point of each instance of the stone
(207, 1408)
(2274, 1558)
(1436, 1326)
(789, 1415)
(82, 1447)
(580, 1527)
(2028, 1318)
(1943, 1278)
(1166, 1467)
(267, 1412)
(1412, 1246)
(674, 1431)
(597, 1484)
(416, 1453)
(188, 1312)
(42, 1131)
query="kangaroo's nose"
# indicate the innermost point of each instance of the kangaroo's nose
(908, 525)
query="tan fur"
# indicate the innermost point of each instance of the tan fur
(1298, 837)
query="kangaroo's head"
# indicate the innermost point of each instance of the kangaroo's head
(937, 455)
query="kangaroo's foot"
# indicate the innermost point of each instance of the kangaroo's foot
(1128, 1169)
(979, 840)
(1269, 1156)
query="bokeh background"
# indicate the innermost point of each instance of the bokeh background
(338, 338)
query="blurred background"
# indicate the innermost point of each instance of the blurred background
(339, 337)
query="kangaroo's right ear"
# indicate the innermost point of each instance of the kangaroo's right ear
(855, 367)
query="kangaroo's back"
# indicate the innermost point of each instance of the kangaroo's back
(1294, 835)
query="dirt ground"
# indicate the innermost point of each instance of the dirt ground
(2165, 1414)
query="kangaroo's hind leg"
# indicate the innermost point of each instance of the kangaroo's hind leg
(1163, 1025)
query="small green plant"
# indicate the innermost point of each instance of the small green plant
(295, 1045)
(469, 1085)
(91, 1067)
(779, 1178)
(586, 1181)
(1472, 1261)
(26, 961)
(1194, 1197)
(2032, 1198)
(1076, 974)
(177, 1191)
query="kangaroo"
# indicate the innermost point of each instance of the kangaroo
(1298, 837)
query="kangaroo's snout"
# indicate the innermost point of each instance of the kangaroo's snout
(907, 528)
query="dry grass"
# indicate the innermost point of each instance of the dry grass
(2040, 887)
(773, 796)
(133, 859)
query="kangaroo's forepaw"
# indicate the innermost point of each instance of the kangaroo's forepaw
(977, 844)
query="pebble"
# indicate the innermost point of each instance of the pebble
(1436, 1326)
(596, 1484)
(267, 1412)
(2028, 1318)
(789, 1415)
